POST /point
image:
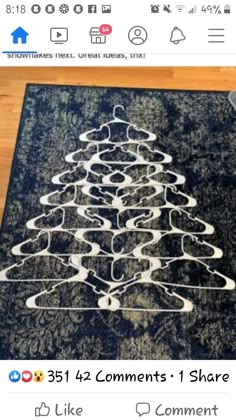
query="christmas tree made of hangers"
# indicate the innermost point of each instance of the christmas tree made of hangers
(113, 211)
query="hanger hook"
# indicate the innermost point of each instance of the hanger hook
(114, 278)
(115, 108)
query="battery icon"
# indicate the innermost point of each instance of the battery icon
(227, 9)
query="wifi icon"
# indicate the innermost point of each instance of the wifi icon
(180, 7)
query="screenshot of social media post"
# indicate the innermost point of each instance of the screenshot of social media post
(117, 210)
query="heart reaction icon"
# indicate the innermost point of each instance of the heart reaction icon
(27, 376)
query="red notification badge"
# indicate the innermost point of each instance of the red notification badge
(105, 29)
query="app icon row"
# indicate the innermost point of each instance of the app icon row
(137, 35)
(65, 8)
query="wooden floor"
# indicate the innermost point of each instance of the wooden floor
(13, 81)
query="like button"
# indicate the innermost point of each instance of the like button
(42, 411)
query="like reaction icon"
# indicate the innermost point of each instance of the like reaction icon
(14, 376)
(42, 411)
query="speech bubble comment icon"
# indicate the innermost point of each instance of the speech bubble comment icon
(142, 408)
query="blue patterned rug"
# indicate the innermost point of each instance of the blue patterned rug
(119, 233)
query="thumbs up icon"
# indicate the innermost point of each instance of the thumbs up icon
(42, 411)
(14, 376)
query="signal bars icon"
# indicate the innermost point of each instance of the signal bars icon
(193, 10)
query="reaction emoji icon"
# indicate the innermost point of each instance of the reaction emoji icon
(39, 376)
(14, 376)
(27, 376)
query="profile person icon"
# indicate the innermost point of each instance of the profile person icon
(137, 35)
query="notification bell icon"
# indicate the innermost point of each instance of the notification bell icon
(177, 36)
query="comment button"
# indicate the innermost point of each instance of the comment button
(142, 408)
